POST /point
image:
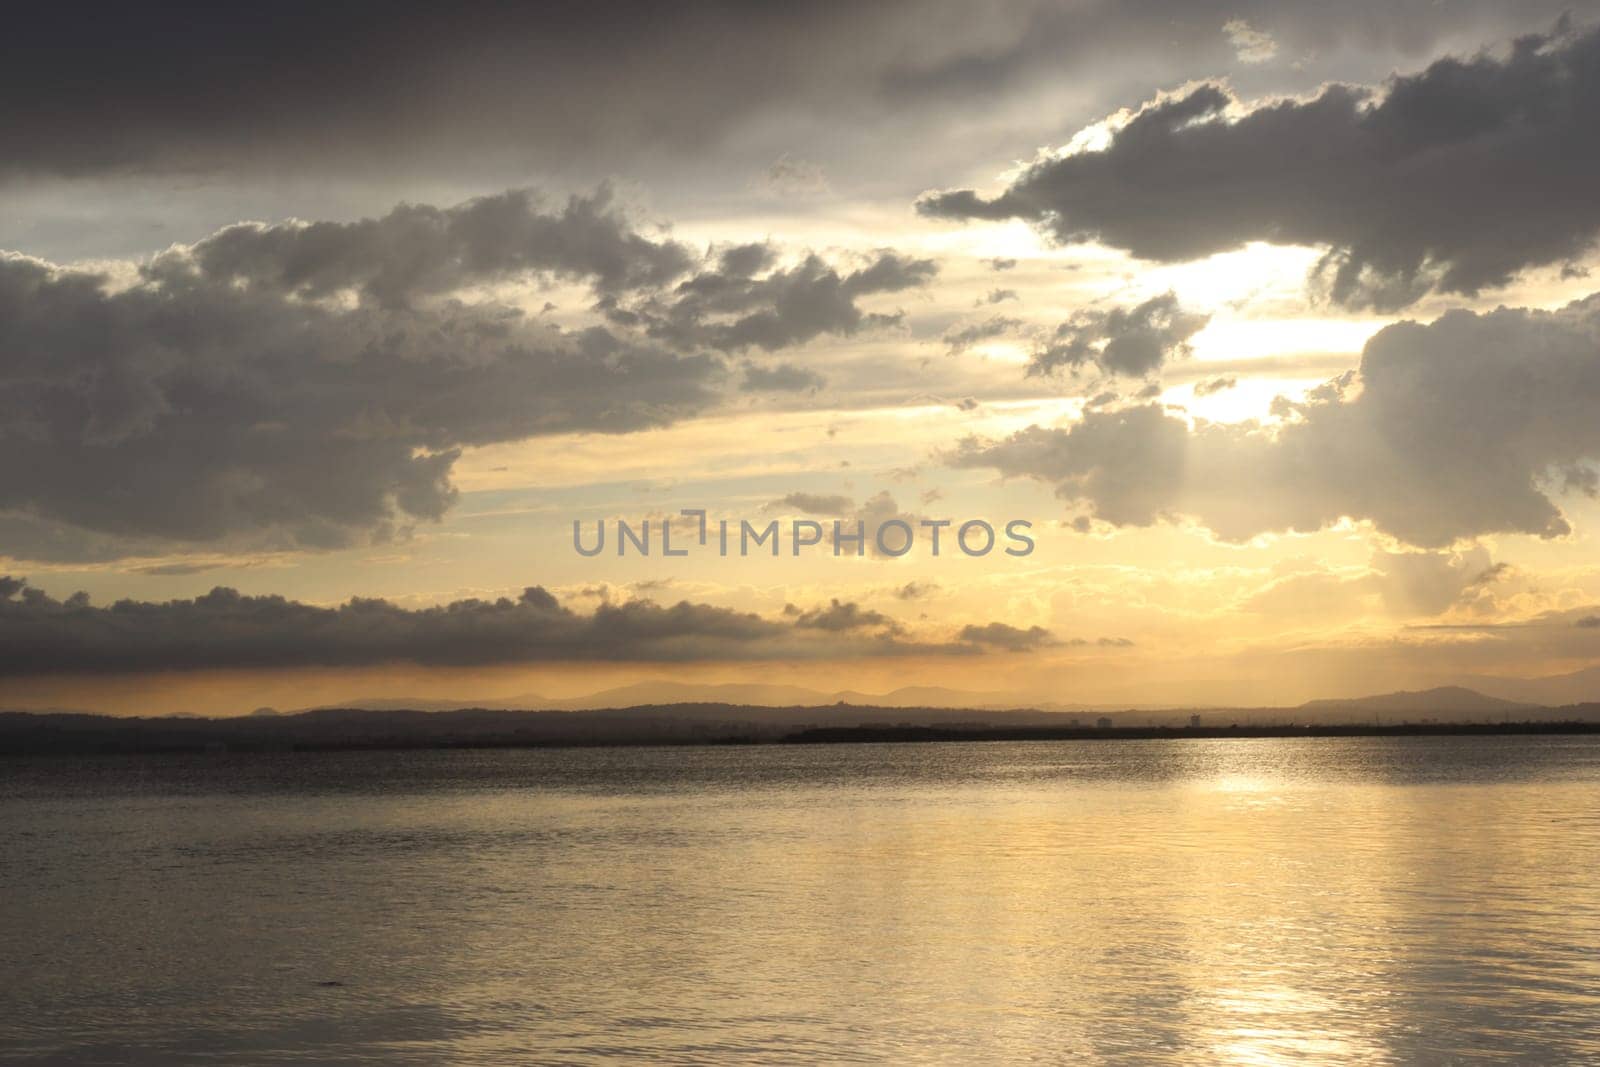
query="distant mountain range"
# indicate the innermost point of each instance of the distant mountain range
(750, 695)
(1489, 699)
(1445, 700)
(1552, 691)
(1483, 695)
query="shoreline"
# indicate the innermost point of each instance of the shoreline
(26, 736)
(903, 734)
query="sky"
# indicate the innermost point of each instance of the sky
(323, 327)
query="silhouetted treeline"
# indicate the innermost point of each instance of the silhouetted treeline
(862, 734)
(23, 733)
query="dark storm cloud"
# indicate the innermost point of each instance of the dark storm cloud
(227, 630)
(307, 385)
(190, 408)
(732, 307)
(1460, 428)
(1455, 178)
(1128, 341)
(30, 537)
(224, 629)
(418, 250)
(492, 92)
(188, 88)
(739, 298)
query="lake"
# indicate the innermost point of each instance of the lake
(1353, 900)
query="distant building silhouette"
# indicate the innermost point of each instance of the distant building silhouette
(1103, 722)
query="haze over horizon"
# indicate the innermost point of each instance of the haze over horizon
(1278, 323)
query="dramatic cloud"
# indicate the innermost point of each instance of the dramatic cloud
(1459, 428)
(207, 92)
(1455, 178)
(417, 250)
(223, 629)
(409, 88)
(743, 303)
(310, 385)
(226, 630)
(1131, 342)
(740, 300)
(190, 408)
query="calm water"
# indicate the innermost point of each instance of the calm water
(1345, 901)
